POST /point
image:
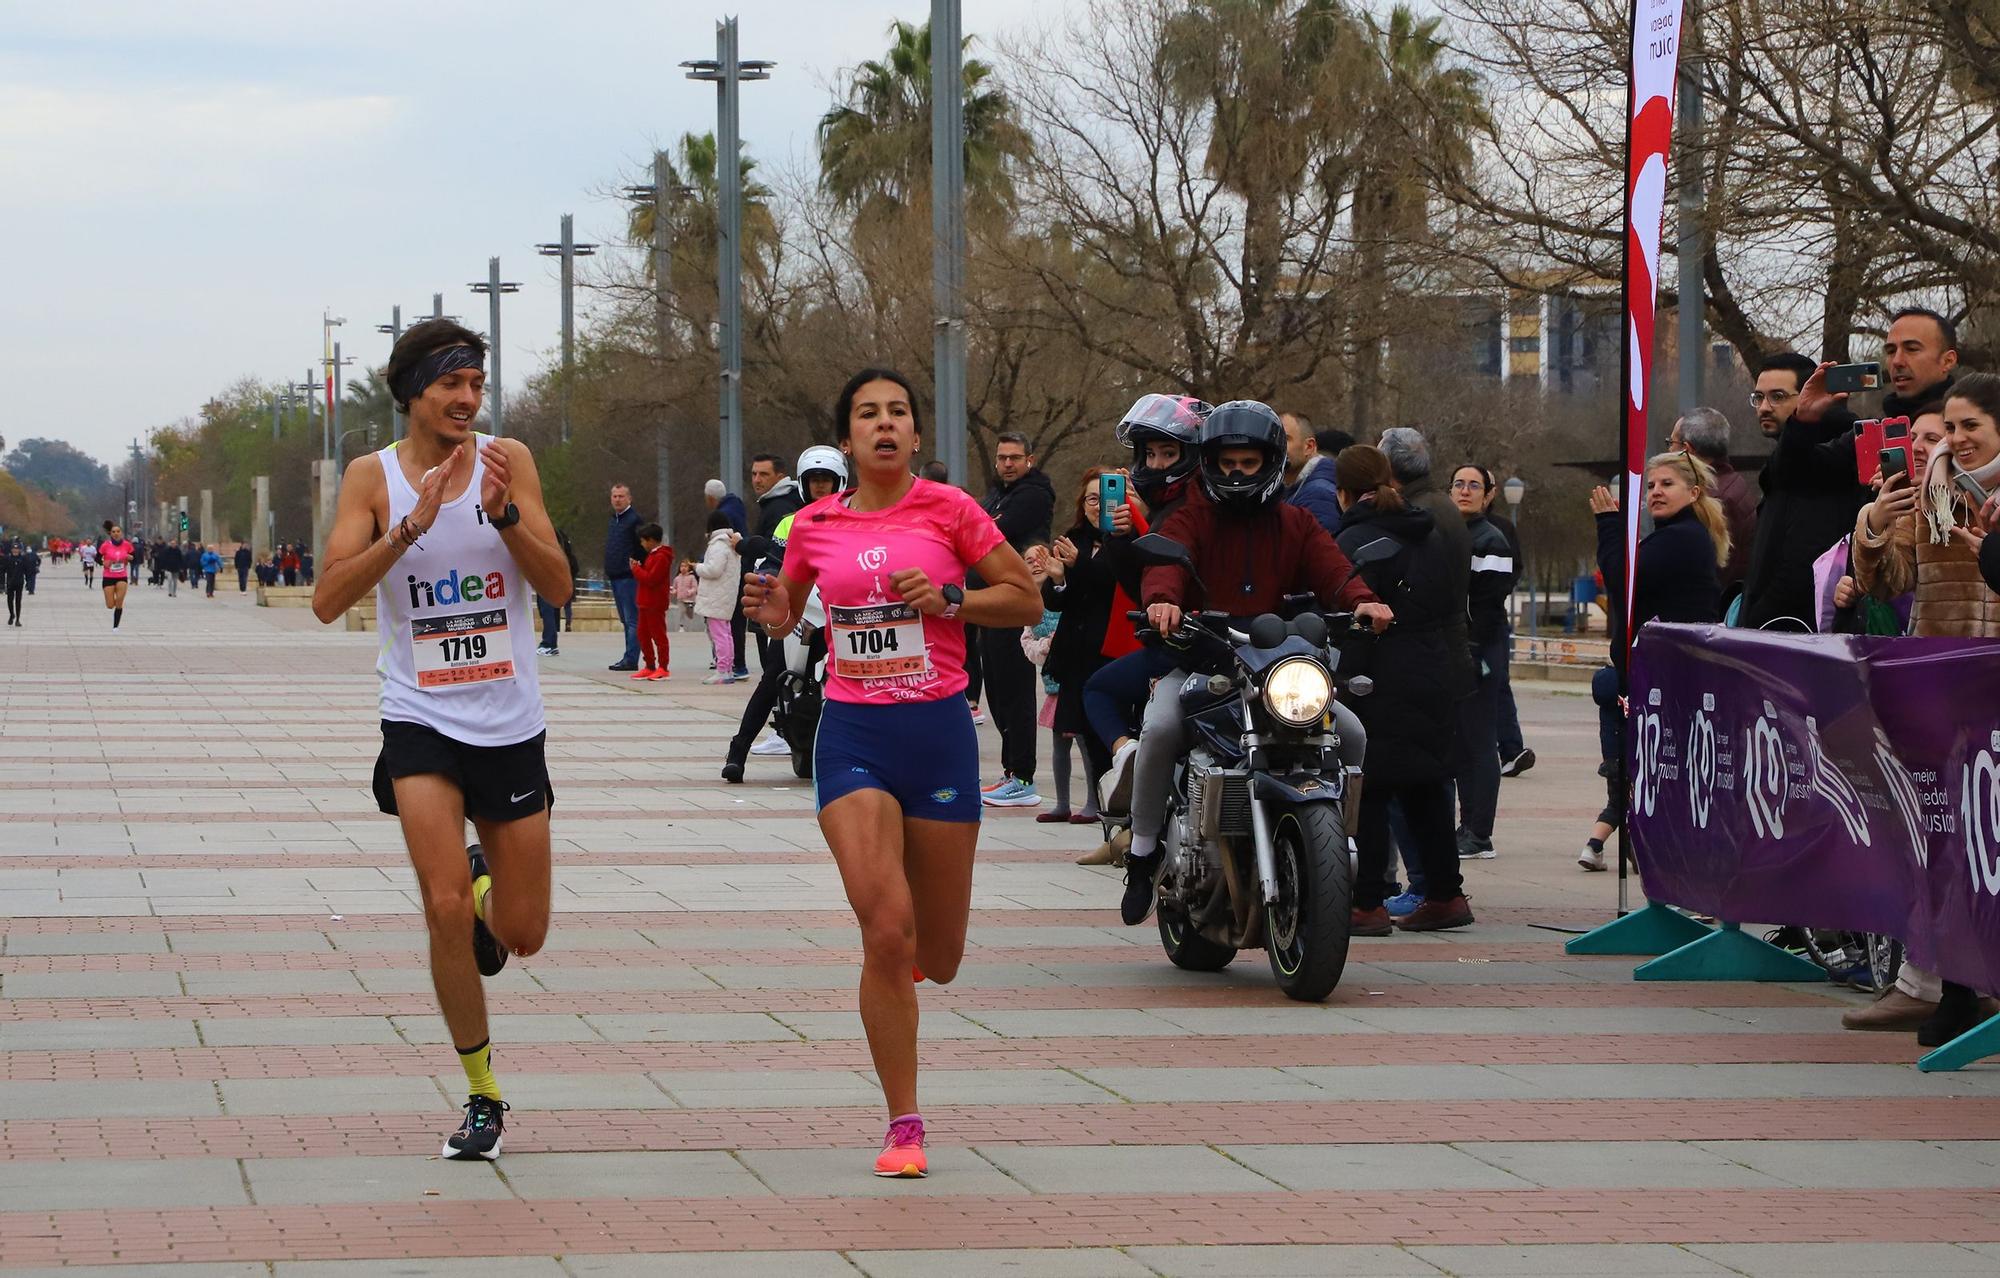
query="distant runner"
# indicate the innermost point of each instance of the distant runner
(115, 553)
(448, 528)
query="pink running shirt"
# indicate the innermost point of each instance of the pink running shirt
(116, 556)
(879, 651)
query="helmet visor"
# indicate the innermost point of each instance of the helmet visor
(1174, 416)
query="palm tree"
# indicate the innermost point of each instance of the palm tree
(1282, 81)
(875, 148)
(692, 205)
(1425, 116)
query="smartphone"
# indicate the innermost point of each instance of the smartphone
(1894, 461)
(1853, 379)
(1869, 441)
(1971, 487)
(1110, 494)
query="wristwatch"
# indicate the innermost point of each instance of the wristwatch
(508, 518)
(954, 599)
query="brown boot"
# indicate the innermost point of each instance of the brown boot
(1109, 852)
(1436, 916)
(1373, 922)
(1895, 1011)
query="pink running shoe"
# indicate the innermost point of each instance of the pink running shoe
(903, 1149)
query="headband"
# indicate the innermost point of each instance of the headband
(446, 359)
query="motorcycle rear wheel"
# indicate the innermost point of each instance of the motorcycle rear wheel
(1307, 928)
(1189, 949)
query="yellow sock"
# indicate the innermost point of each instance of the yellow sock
(482, 887)
(478, 1063)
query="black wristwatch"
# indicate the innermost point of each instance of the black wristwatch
(508, 518)
(954, 599)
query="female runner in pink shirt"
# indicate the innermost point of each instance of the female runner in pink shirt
(115, 556)
(896, 761)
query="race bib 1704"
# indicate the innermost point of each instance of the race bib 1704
(881, 641)
(461, 648)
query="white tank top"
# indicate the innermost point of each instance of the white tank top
(458, 645)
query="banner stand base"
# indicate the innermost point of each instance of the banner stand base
(1657, 929)
(1726, 954)
(1976, 1044)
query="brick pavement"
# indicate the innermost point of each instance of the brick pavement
(219, 1054)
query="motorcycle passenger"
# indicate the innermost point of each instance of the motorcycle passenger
(1250, 549)
(1399, 550)
(822, 471)
(1163, 432)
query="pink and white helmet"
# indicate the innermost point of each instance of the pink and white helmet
(1173, 418)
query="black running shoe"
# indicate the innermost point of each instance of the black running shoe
(486, 951)
(1520, 763)
(1142, 877)
(479, 1135)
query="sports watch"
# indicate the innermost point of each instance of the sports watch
(508, 518)
(954, 599)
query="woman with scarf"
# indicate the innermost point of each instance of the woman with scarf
(1930, 541)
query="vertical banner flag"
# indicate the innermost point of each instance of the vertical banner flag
(1656, 31)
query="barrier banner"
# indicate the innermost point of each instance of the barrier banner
(1826, 781)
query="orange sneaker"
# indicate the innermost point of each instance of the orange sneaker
(903, 1149)
(647, 673)
(661, 673)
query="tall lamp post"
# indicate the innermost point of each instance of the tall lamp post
(334, 394)
(394, 330)
(328, 321)
(948, 233)
(493, 288)
(1514, 490)
(568, 250)
(660, 194)
(728, 72)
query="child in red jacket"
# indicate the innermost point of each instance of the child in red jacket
(655, 575)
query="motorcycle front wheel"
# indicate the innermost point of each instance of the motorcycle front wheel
(1307, 927)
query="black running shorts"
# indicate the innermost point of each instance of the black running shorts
(500, 783)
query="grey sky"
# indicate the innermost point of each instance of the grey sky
(184, 186)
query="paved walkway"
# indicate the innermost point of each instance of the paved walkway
(219, 1052)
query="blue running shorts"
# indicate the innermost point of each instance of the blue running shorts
(925, 754)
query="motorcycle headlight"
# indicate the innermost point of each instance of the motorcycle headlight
(1297, 690)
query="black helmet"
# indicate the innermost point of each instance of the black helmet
(1242, 423)
(1176, 418)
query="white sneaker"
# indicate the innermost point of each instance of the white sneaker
(1591, 858)
(978, 715)
(1116, 791)
(770, 745)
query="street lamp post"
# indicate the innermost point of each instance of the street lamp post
(334, 395)
(327, 323)
(394, 329)
(948, 233)
(727, 72)
(493, 288)
(1514, 490)
(568, 250)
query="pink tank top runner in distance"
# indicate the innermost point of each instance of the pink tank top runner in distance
(879, 651)
(116, 557)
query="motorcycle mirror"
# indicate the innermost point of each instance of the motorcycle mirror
(1361, 685)
(1155, 549)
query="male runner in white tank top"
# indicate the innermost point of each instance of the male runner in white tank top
(449, 529)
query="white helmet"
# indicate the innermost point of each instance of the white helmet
(823, 457)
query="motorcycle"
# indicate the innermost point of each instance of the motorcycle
(1256, 841)
(801, 694)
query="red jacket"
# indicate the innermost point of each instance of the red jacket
(1250, 564)
(655, 575)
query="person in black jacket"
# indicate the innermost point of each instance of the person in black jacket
(1678, 579)
(13, 577)
(1410, 716)
(1494, 572)
(621, 546)
(1080, 581)
(1022, 502)
(1812, 487)
(243, 561)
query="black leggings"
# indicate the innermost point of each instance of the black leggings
(13, 598)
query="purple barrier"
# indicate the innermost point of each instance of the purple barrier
(1824, 780)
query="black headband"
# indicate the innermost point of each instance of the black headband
(446, 359)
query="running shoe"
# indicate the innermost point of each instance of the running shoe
(1406, 904)
(1015, 794)
(486, 951)
(644, 673)
(661, 673)
(1005, 780)
(543, 650)
(1116, 788)
(1473, 848)
(720, 678)
(1520, 763)
(1591, 858)
(978, 715)
(902, 1153)
(1142, 880)
(772, 744)
(479, 1135)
